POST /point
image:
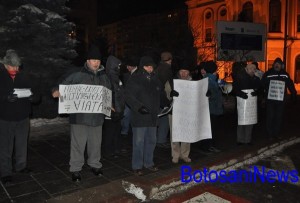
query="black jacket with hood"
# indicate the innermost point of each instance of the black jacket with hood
(118, 100)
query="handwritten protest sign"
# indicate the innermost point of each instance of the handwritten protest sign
(190, 120)
(84, 99)
(276, 90)
(247, 109)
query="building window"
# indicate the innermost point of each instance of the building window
(298, 16)
(248, 11)
(208, 24)
(297, 69)
(208, 35)
(222, 14)
(274, 16)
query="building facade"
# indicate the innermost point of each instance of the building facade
(203, 14)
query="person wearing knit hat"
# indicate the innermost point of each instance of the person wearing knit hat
(144, 94)
(276, 81)
(180, 150)
(131, 63)
(86, 128)
(14, 111)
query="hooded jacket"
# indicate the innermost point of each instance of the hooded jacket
(88, 77)
(113, 73)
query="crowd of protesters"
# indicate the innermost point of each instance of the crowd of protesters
(140, 91)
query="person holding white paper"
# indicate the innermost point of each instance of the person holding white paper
(276, 81)
(14, 115)
(180, 150)
(246, 80)
(86, 128)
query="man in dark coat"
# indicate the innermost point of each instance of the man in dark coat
(165, 75)
(86, 128)
(14, 115)
(276, 81)
(112, 125)
(143, 94)
(246, 80)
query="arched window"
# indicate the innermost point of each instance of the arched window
(274, 15)
(297, 69)
(208, 24)
(222, 14)
(248, 11)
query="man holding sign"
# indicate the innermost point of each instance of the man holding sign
(276, 81)
(86, 126)
(246, 86)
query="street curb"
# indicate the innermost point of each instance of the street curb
(164, 191)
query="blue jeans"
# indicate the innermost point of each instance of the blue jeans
(126, 121)
(144, 141)
(163, 129)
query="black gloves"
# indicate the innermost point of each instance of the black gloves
(208, 93)
(12, 97)
(254, 93)
(243, 95)
(174, 93)
(143, 110)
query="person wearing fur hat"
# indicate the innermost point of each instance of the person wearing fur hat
(86, 128)
(144, 94)
(276, 81)
(14, 115)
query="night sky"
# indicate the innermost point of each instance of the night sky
(113, 10)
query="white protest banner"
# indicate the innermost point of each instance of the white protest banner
(247, 109)
(190, 116)
(84, 99)
(276, 90)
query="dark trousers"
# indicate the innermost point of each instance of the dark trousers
(13, 137)
(214, 122)
(112, 137)
(274, 118)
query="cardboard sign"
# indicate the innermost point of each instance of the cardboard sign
(247, 109)
(84, 99)
(276, 90)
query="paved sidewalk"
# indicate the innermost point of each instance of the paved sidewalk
(50, 181)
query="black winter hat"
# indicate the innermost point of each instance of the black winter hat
(131, 61)
(278, 60)
(94, 53)
(210, 67)
(147, 61)
(11, 58)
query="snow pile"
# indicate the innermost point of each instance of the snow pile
(132, 189)
(52, 16)
(31, 8)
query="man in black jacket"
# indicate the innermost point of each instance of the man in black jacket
(276, 81)
(143, 94)
(86, 128)
(14, 115)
